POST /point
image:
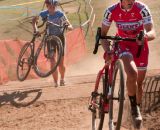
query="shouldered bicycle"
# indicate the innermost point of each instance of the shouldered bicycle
(29, 56)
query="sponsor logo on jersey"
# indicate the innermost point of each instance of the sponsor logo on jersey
(129, 25)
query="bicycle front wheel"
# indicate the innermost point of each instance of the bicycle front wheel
(48, 56)
(24, 62)
(98, 114)
(117, 97)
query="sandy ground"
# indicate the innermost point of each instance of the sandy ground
(37, 105)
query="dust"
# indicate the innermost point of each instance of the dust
(90, 64)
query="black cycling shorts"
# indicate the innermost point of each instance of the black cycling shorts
(51, 44)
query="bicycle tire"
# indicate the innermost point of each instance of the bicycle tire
(98, 115)
(116, 109)
(26, 51)
(59, 48)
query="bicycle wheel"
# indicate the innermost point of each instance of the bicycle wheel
(98, 114)
(117, 97)
(24, 62)
(48, 58)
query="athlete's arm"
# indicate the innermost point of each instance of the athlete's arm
(148, 23)
(150, 32)
(66, 21)
(70, 27)
(104, 42)
(107, 20)
(34, 23)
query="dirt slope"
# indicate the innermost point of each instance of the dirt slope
(37, 105)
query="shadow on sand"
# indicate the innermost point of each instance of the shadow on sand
(20, 98)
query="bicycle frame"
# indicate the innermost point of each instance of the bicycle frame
(108, 68)
(109, 71)
(44, 36)
(104, 71)
(33, 53)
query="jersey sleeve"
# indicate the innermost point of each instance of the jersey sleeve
(43, 15)
(146, 15)
(63, 17)
(107, 18)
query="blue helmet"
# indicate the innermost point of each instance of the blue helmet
(52, 2)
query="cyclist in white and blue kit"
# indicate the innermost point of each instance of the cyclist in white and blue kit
(56, 16)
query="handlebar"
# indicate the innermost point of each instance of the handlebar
(54, 24)
(39, 26)
(49, 23)
(116, 38)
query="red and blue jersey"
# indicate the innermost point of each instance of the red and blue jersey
(129, 23)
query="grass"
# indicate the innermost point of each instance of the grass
(11, 29)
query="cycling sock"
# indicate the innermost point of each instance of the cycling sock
(133, 100)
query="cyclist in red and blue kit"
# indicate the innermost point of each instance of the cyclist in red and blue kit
(130, 17)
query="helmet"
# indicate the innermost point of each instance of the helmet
(52, 2)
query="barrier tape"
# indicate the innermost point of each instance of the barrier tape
(27, 3)
(10, 50)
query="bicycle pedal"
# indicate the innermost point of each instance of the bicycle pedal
(92, 109)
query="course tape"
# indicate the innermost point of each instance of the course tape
(27, 3)
(18, 10)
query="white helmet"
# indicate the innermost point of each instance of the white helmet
(52, 2)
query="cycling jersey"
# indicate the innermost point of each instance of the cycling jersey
(129, 24)
(58, 18)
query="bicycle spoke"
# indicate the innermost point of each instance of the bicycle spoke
(48, 58)
(98, 115)
(24, 62)
(116, 102)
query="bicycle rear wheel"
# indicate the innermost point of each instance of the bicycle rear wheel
(98, 114)
(51, 52)
(117, 97)
(24, 62)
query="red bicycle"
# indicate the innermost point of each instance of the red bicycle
(108, 95)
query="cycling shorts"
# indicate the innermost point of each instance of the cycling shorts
(131, 48)
(62, 38)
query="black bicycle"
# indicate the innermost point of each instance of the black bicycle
(39, 58)
(108, 95)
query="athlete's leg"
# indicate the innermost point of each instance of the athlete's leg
(141, 76)
(132, 75)
(131, 71)
(55, 74)
(62, 68)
